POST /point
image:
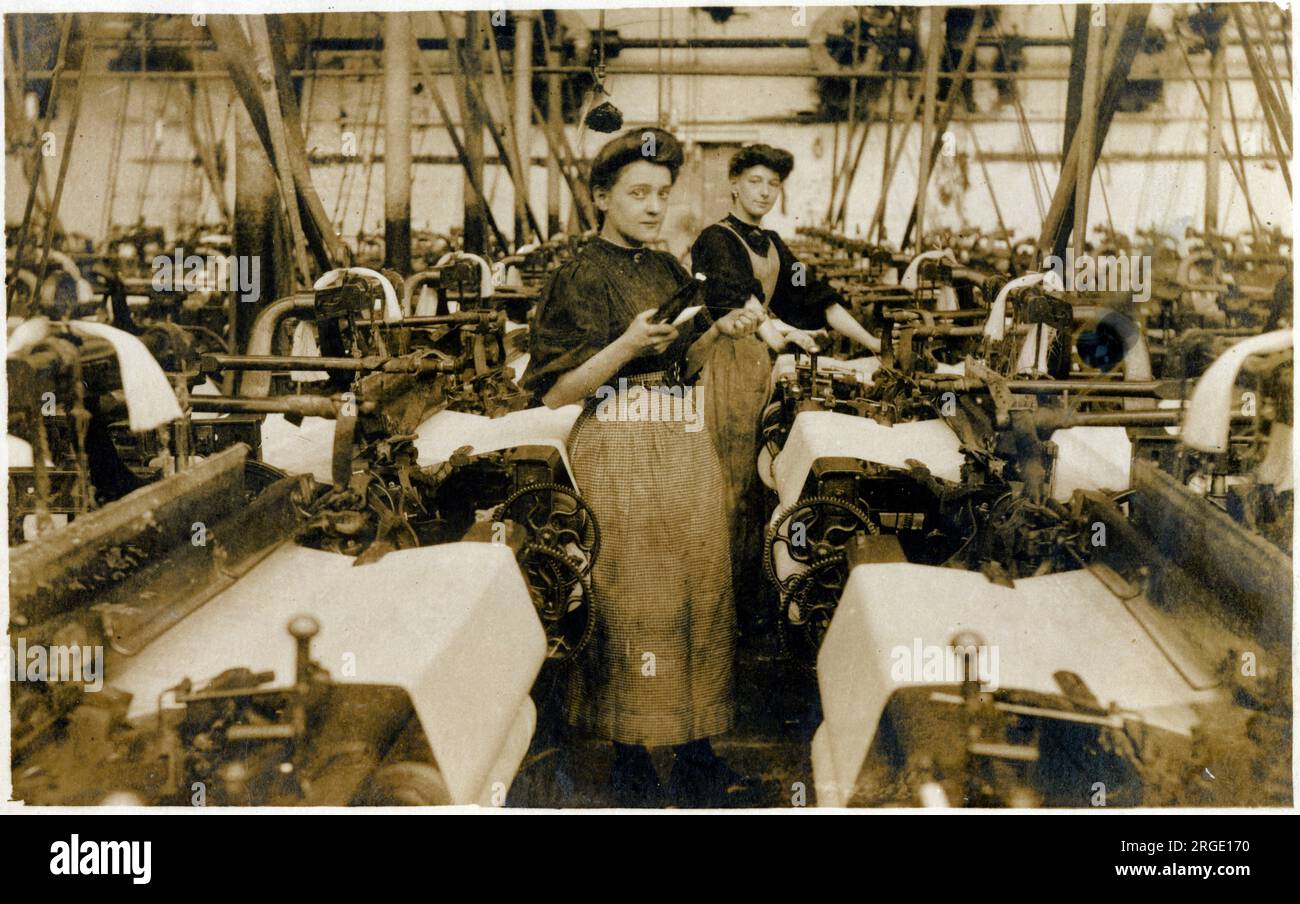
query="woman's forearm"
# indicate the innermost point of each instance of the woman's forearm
(575, 385)
(843, 323)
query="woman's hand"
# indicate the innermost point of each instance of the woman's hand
(779, 335)
(645, 338)
(740, 322)
(805, 341)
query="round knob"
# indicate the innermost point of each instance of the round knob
(304, 627)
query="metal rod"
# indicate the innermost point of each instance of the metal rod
(305, 405)
(1239, 169)
(505, 150)
(935, 16)
(836, 175)
(65, 159)
(404, 365)
(1214, 141)
(397, 142)
(949, 107)
(20, 245)
(1087, 130)
(889, 121)
(523, 108)
(891, 167)
(1241, 160)
(465, 69)
(461, 152)
(280, 164)
(1273, 113)
(552, 123)
(1126, 35)
(1269, 68)
(506, 141)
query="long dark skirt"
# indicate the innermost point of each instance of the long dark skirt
(658, 669)
(737, 386)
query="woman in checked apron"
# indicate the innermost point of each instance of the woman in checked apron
(751, 268)
(658, 670)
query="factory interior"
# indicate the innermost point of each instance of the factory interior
(651, 407)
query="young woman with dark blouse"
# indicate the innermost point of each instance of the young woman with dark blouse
(748, 267)
(658, 670)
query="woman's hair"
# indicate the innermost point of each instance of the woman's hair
(777, 160)
(651, 145)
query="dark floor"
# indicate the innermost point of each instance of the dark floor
(777, 712)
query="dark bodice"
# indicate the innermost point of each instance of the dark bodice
(590, 301)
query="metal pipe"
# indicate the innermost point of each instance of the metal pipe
(505, 151)
(1087, 128)
(65, 158)
(935, 16)
(1126, 35)
(397, 142)
(1113, 387)
(475, 204)
(523, 110)
(307, 406)
(262, 334)
(39, 166)
(555, 123)
(280, 164)
(955, 88)
(462, 155)
(508, 145)
(1214, 141)
(402, 365)
(1271, 105)
(1052, 419)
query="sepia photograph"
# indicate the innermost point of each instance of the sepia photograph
(648, 408)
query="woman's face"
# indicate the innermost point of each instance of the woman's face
(634, 207)
(757, 189)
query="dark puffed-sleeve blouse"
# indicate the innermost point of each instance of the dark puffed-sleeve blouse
(590, 301)
(800, 298)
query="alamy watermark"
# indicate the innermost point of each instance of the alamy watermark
(951, 664)
(181, 272)
(638, 402)
(75, 857)
(57, 662)
(1103, 273)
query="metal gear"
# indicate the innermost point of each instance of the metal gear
(823, 519)
(811, 603)
(561, 597)
(570, 526)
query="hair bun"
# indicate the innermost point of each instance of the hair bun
(778, 160)
(649, 144)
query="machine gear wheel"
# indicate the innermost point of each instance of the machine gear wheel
(555, 516)
(811, 603)
(827, 524)
(561, 598)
